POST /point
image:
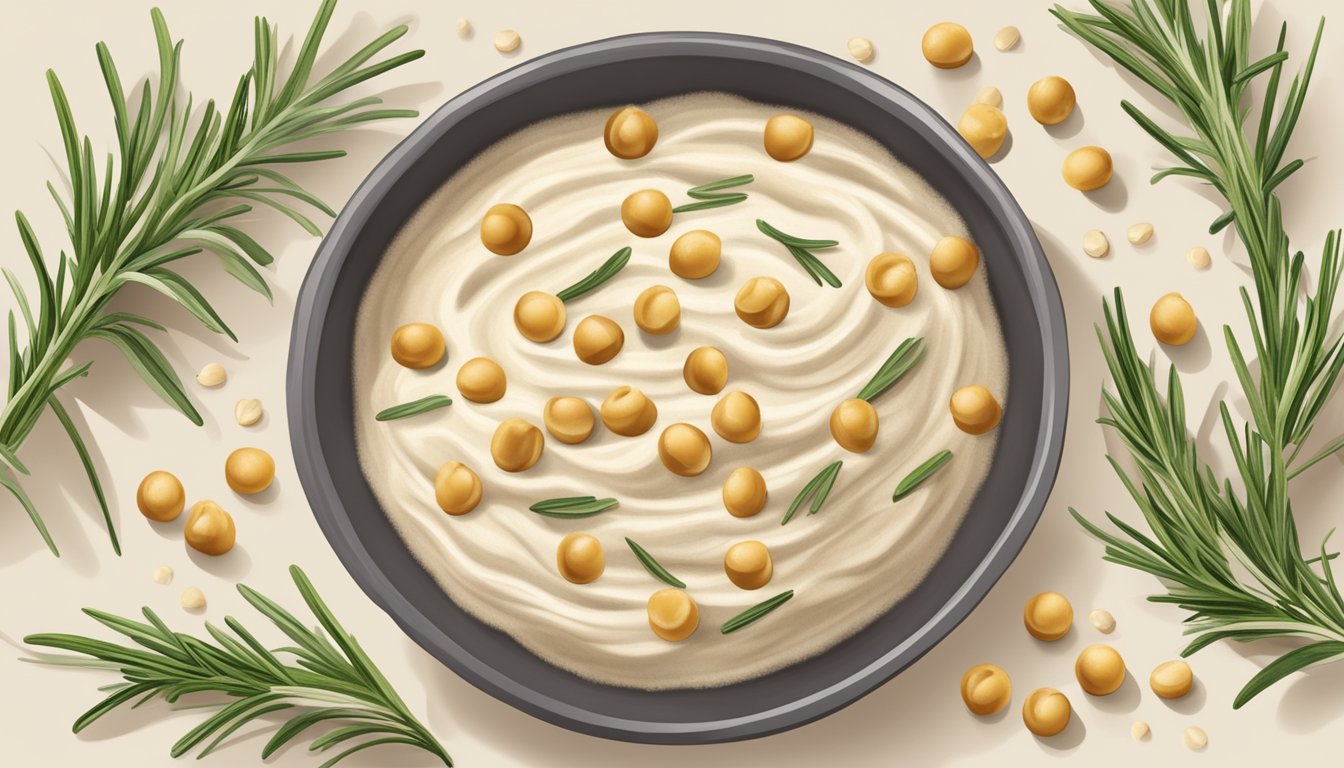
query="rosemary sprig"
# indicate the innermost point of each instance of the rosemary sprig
(655, 569)
(709, 195)
(921, 473)
(325, 676)
(573, 507)
(414, 408)
(905, 357)
(174, 187)
(801, 250)
(817, 489)
(755, 612)
(1227, 551)
(615, 263)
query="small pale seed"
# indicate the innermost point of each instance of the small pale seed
(1007, 38)
(193, 599)
(1095, 244)
(991, 96)
(507, 41)
(1140, 233)
(163, 575)
(1139, 730)
(463, 28)
(212, 375)
(1102, 620)
(861, 48)
(247, 412)
(1195, 738)
(1199, 257)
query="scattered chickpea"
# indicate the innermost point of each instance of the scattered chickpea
(861, 48)
(1007, 38)
(630, 133)
(209, 529)
(1140, 233)
(192, 599)
(1046, 712)
(947, 45)
(695, 254)
(986, 689)
(974, 410)
(1102, 620)
(991, 96)
(1087, 168)
(212, 375)
(597, 339)
(705, 371)
(418, 345)
(736, 417)
(953, 261)
(748, 564)
(1172, 679)
(161, 496)
(507, 41)
(539, 316)
(787, 137)
(983, 127)
(481, 380)
(854, 425)
(1199, 257)
(744, 492)
(762, 302)
(647, 213)
(506, 229)
(1051, 100)
(891, 279)
(568, 419)
(457, 489)
(1100, 670)
(657, 310)
(163, 575)
(1173, 320)
(1139, 730)
(1048, 616)
(673, 615)
(249, 470)
(1095, 243)
(580, 558)
(684, 450)
(628, 412)
(1195, 738)
(516, 445)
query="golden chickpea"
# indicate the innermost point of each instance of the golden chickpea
(748, 564)
(673, 615)
(974, 410)
(983, 127)
(1051, 100)
(481, 380)
(457, 489)
(1173, 320)
(787, 137)
(417, 345)
(209, 529)
(630, 133)
(953, 261)
(695, 254)
(506, 229)
(891, 279)
(657, 310)
(568, 419)
(705, 371)
(736, 417)
(854, 425)
(249, 470)
(986, 689)
(744, 492)
(684, 450)
(628, 412)
(647, 213)
(947, 45)
(1172, 679)
(1046, 712)
(597, 339)
(580, 558)
(161, 496)
(516, 445)
(1087, 168)
(762, 302)
(539, 316)
(1048, 616)
(1100, 670)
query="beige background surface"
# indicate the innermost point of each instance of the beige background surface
(916, 719)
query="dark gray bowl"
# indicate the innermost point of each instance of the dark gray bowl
(633, 69)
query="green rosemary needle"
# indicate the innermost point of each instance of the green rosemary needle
(709, 195)
(817, 489)
(414, 408)
(905, 357)
(755, 612)
(651, 565)
(573, 507)
(920, 474)
(615, 263)
(801, 250)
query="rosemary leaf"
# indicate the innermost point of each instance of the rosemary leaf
(573, 507)
(755, 612)
(715, 202)
(816, 490)
(920, 474)
(706, 191)
(654, 568)
(615, 263)
(904, 358)
(801, 250)
(414, 408)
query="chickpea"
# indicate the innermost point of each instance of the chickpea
(1048, 616)
(249, 470)
(1087, 168)
(695, 254)
(787, 137)
(705, 371)
(628, 412)
(748, 564)
(568, 419)
(516, 445)
(684, 449)
(1046, 712)
(161, 496)
(580, 558)
(209, 529)
(762, 302)
(953, 261)
(974, 410)
(657, 310)
(891, 279)
(539, 316)
(744, 492)
(1100, 670)
(630, 133)
(457, 489)
(736, 417)
(481, 380)
(854, 425)
(983, 127)
(647, 213)
(506, 229)
(986, 689)
(1173, 320)
(1051, 100)
(947, 45)
(417, 345)
(673, 615)
(1172, 679)
(597, 339)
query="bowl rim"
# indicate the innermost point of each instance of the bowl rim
(313, 301)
